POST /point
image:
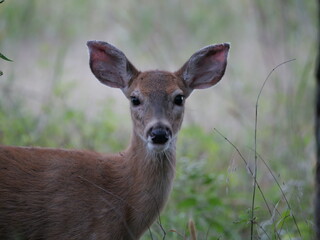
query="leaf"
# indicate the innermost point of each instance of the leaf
(4, 57)
(1, 73)
(284, 215)
(214, 201)
(188, 203)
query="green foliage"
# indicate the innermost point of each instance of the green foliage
(58, 125)
(5, 58)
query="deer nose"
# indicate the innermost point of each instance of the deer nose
(159, 135)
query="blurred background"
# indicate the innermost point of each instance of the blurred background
(48, 97)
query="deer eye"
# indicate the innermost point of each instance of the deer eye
(135, 101)
(178, 100)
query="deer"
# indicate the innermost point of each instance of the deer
(49, 193)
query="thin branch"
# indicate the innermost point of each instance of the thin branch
(249, 169)
(255, 143)
(264, 231)
(159, 217)
(252, 175)
(282, 192)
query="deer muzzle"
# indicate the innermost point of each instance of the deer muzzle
(159, 138)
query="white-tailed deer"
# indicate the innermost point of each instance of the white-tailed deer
(58, 194)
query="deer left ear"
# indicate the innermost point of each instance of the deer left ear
(206, 67)
(110, 65)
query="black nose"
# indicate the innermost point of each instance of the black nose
(159, 135)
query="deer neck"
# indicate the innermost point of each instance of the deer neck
(150, 176)
(150, 164)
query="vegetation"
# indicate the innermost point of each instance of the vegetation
(48, 97)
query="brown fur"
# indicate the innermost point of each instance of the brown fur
(45, 190)
(71, 194)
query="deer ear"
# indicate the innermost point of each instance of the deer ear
(110, 65)
(206, 67)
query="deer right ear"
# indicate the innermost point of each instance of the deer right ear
(109, 65)
(205, 68)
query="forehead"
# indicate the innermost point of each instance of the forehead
(155, 81)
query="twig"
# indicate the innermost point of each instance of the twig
(264, 231)
(251, 173)
(249, 169)
(179, 234)
(255, 144)
(282, 192)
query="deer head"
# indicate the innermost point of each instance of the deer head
(157, 97)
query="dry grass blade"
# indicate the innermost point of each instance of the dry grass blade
(192, 230)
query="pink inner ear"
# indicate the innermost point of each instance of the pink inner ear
(99, 54)
(99, 51)
(214, 62)
(219, 56)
